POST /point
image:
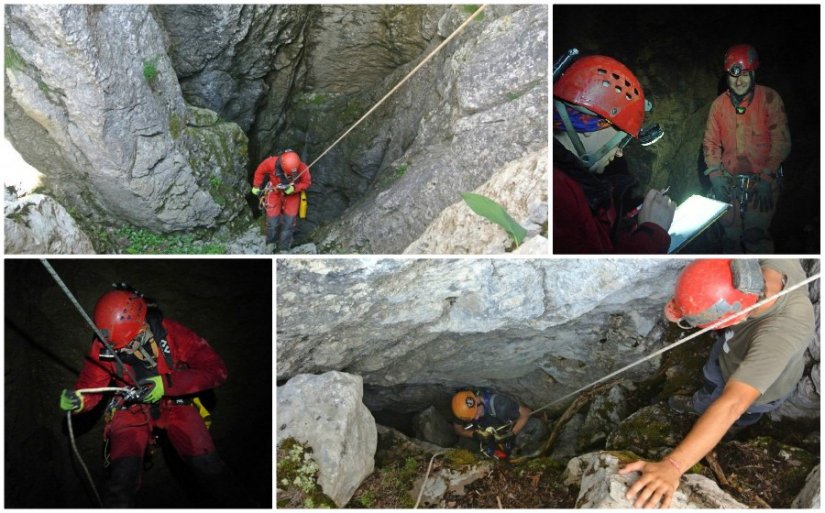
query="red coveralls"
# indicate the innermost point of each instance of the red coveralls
(196, 367)
(578, 230)
(277, 203)
(754, 143)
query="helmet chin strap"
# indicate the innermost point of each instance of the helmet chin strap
(588, 159)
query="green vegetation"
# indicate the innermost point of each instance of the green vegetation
(513, 96)
(400, 170)
(175, 125)
(150, 70)
(13, 59)
(494, 212)
(471, 8)
(215, 182)
(460, 457)
(139, 241)
(297, 474)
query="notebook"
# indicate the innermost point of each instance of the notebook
(693, 217)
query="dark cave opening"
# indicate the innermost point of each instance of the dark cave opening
(227, 302)
(677, 54)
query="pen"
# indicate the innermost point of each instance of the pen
(637, 209)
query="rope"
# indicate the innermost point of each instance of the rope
(85, 316)
(427, 475)
(679, 342)
(394, 89)
(72, 438)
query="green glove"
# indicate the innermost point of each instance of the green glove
(289, 190)
(256, 191)
(763, 196)
(71, 401)
(152, 389)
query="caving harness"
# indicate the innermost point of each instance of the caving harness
(144, 349)
(283, 183)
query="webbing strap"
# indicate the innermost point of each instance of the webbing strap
(678, 342)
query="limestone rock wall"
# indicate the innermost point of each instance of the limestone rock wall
(102, 116)
(536, 329)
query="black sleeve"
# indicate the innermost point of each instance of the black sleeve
(505, 407)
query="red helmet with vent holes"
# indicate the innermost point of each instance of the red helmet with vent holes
(741, 59)
(606, 87)
(121, 315)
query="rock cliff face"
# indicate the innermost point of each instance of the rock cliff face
(161, 129)
(535, 329)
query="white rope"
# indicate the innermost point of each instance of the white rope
(72, 439)
(394, 89)
(426, 476)
(680, 342)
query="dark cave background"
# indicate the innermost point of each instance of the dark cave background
(228, 302)
(677, 54)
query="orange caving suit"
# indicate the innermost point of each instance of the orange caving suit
(754, 143)
(279, 204)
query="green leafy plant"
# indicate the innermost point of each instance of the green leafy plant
(150, 70)
(492, 211)
(471, 8)
(215, 181)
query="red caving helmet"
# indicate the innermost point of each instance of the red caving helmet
(606, 87)
(705, 293)
(741, 59)
(121, 315)
(290, 161)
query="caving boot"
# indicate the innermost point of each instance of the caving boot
(287, 229)
(124, 482)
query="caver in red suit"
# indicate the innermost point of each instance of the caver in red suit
(288, 177)
(585, 217)
(185, 366)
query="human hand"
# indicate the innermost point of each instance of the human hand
(658, 482)
(720, 187)
(658, 209)
(151, 389)
(256, 191)
(763, 196)
(71, 400)
(289, 190)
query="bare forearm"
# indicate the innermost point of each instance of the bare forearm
(706, 433)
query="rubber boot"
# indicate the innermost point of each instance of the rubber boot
(272, 234)
(272, 229)
(217, 480)
(124, 482)
(287, 229)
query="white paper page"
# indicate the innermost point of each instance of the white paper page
(692, 217)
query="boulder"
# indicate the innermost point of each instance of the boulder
(651, 431)
(602, 487)
(38, 224)
(431, 426)
(520, 188)
(808, 498)
(102, 117)
(326, 413)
